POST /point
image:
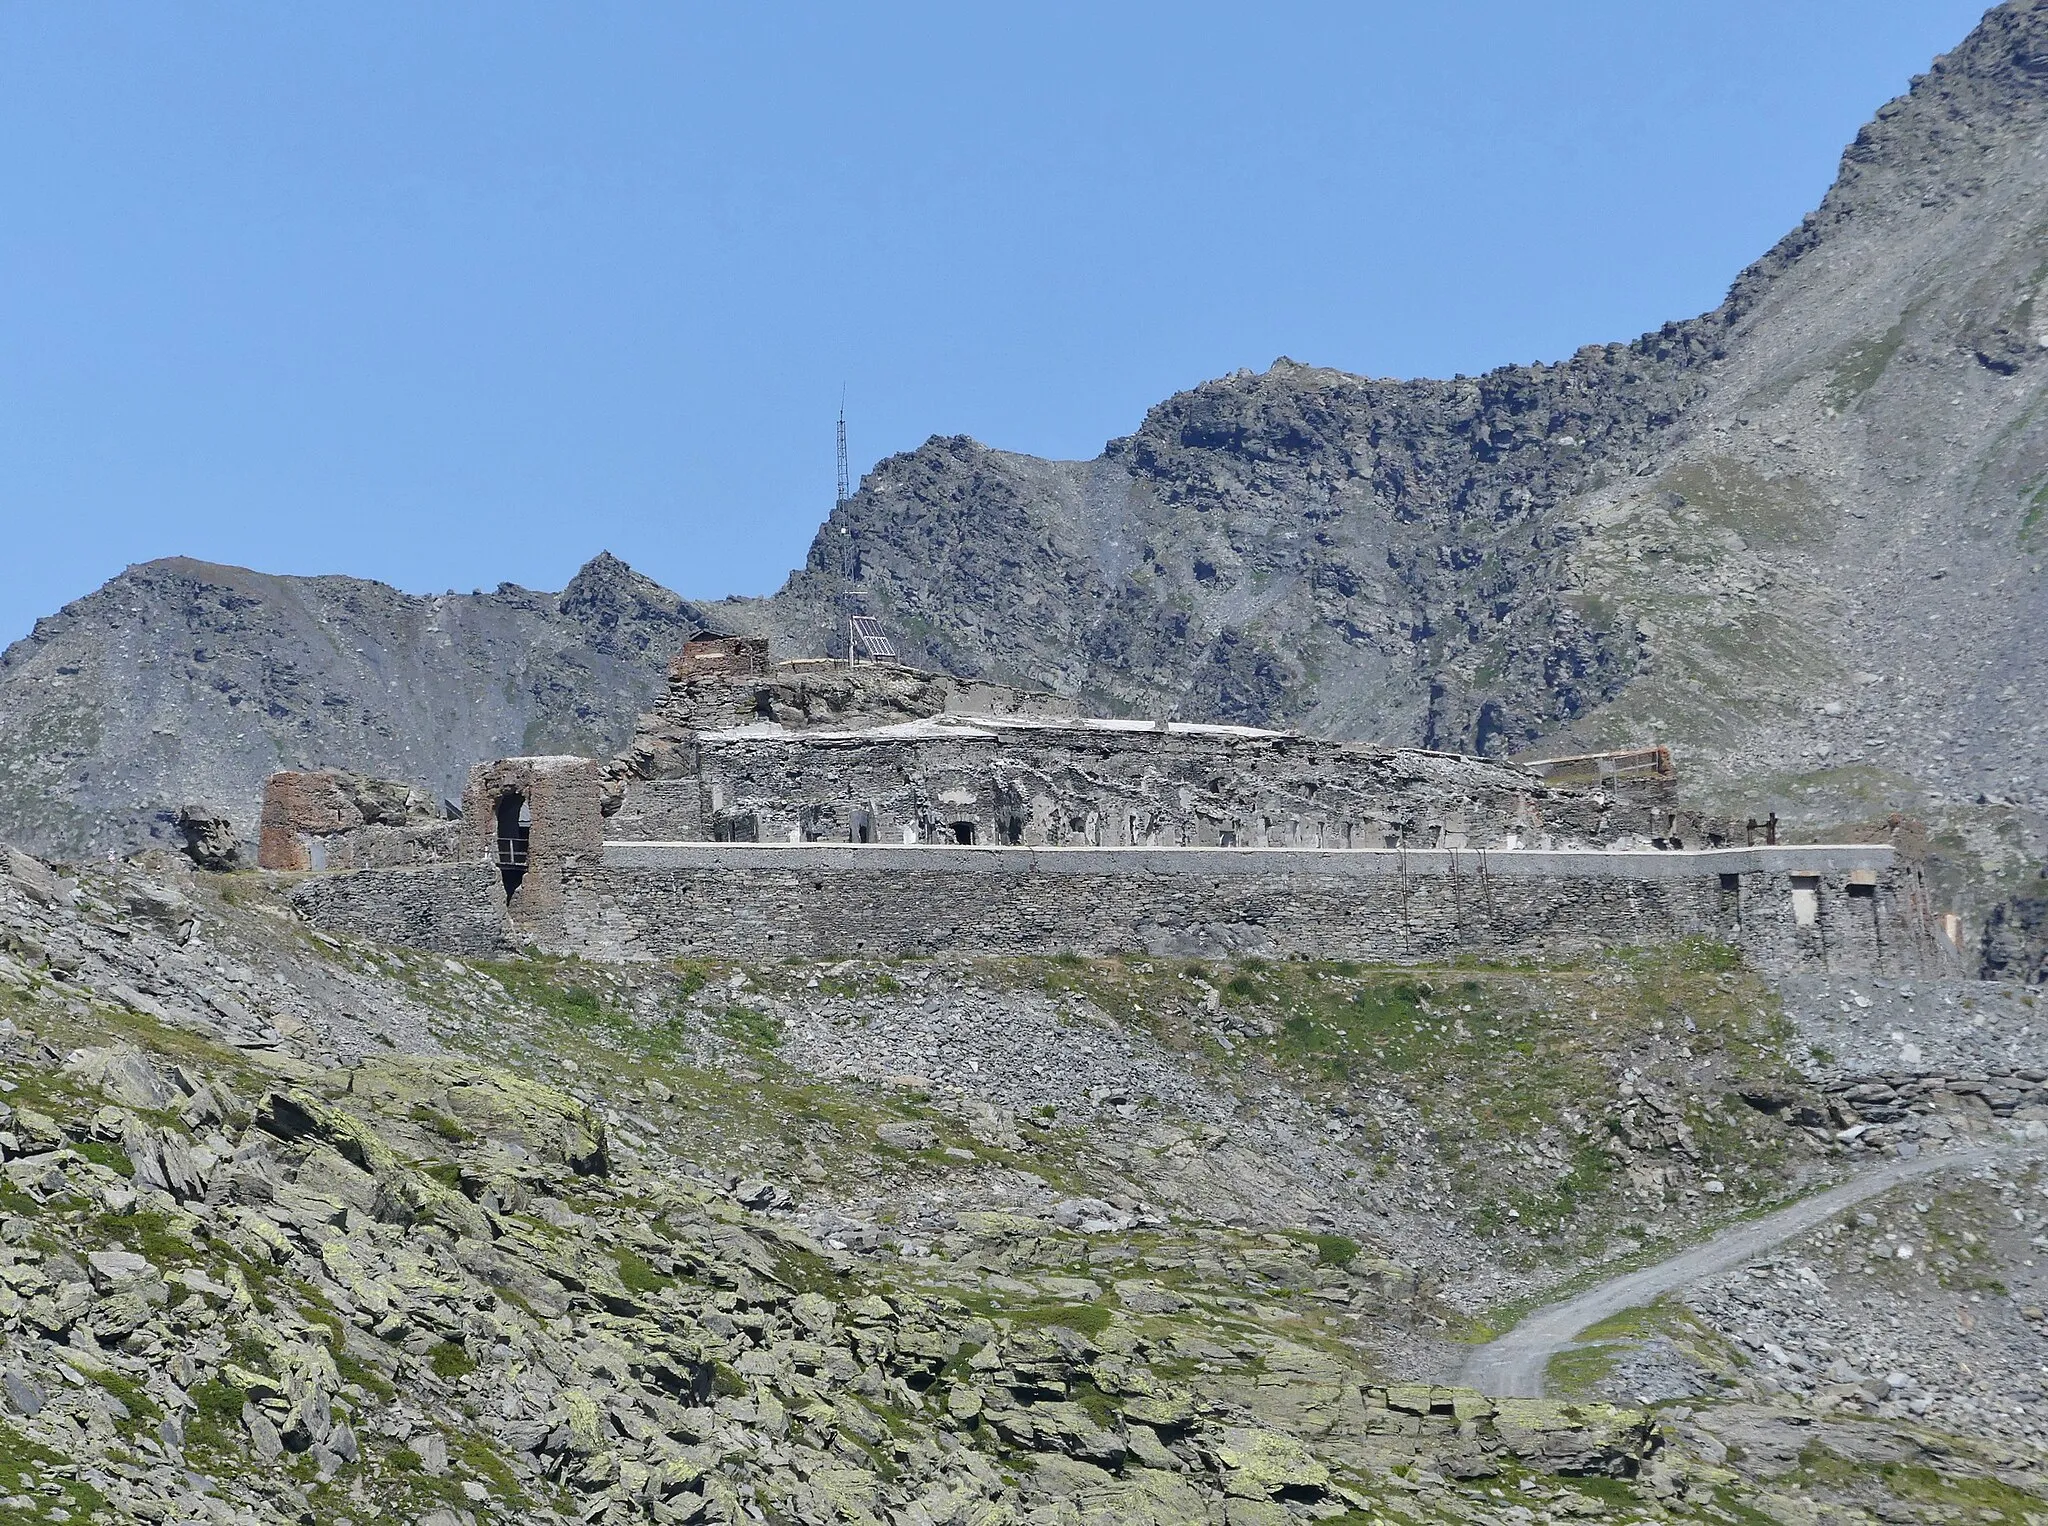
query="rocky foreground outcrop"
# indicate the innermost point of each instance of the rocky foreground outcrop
(293, 1228)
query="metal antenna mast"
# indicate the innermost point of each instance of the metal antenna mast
(845, 484)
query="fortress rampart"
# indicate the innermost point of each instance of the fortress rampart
(818, 752)
(1850, 908)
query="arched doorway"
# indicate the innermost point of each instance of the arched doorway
(515, 834)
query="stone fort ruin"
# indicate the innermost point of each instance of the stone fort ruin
(818, 808)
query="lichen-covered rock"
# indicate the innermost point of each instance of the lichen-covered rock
(1576, 1438)
(1260, 1464)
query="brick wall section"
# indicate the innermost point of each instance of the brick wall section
(710, 656)
(764, 902)
(296, 806)
(330, 819)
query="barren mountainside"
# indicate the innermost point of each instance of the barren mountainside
(308, 1230)
(309, 1226)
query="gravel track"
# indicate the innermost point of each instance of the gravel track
(1513, 1366)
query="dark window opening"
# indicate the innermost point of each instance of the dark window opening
(1229, 839)
(963, 833)
(864, 826)
(515, 839)
(1862, 892)
(1731, 882)
(738, 828)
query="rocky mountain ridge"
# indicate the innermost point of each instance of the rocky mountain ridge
(1661, 536)
(183, 681)
(1799, 538)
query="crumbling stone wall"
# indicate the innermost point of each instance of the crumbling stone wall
(817, 751)
(331, 819)
(707, 656)
(562, 799)
(1845, 915)
(451, 908)
(1030, 781)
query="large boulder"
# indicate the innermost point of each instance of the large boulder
(211, 840)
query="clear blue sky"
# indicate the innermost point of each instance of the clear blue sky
(456, 293)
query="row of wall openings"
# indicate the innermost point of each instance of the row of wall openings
(1862, 884)
(864, 825)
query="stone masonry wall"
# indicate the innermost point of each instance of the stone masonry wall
(742, 901)
(451, 908)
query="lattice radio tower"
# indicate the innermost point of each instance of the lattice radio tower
(845, 484)
(865, 642)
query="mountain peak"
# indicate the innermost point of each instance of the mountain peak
(624, 611)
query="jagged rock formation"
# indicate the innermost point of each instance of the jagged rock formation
(1301, 546)
(2016, 936)
(182, 680)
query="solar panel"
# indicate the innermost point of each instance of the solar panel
(868, 639)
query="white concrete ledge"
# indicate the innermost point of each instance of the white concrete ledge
(929, 858)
